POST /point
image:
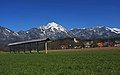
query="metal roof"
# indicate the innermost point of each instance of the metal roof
(30, 41)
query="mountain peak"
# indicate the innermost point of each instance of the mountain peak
(100, 26)
(53, 27)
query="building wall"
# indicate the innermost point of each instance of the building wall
(28, 47)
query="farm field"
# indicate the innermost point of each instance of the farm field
(78, 62)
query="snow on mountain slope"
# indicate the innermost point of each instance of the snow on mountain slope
(7, 35)
(51, 30)
(115, 30)
(54, 27)
(54, 31)
(96, 32)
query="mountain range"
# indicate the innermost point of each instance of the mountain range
(56, 31)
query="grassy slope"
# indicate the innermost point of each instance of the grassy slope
(61, 63)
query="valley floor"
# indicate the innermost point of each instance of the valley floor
(97, 61)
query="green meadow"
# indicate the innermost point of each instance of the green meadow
(95, 62)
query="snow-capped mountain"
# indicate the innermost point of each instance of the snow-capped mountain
(96, 32)
(56, 31)
(115, 30)
(7, 36)
(33, 33)
(51, 30)
(53, 27)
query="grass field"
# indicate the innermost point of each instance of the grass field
(89, 62)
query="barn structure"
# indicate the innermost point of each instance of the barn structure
(31, 45)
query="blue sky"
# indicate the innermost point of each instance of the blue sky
(25, 14)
